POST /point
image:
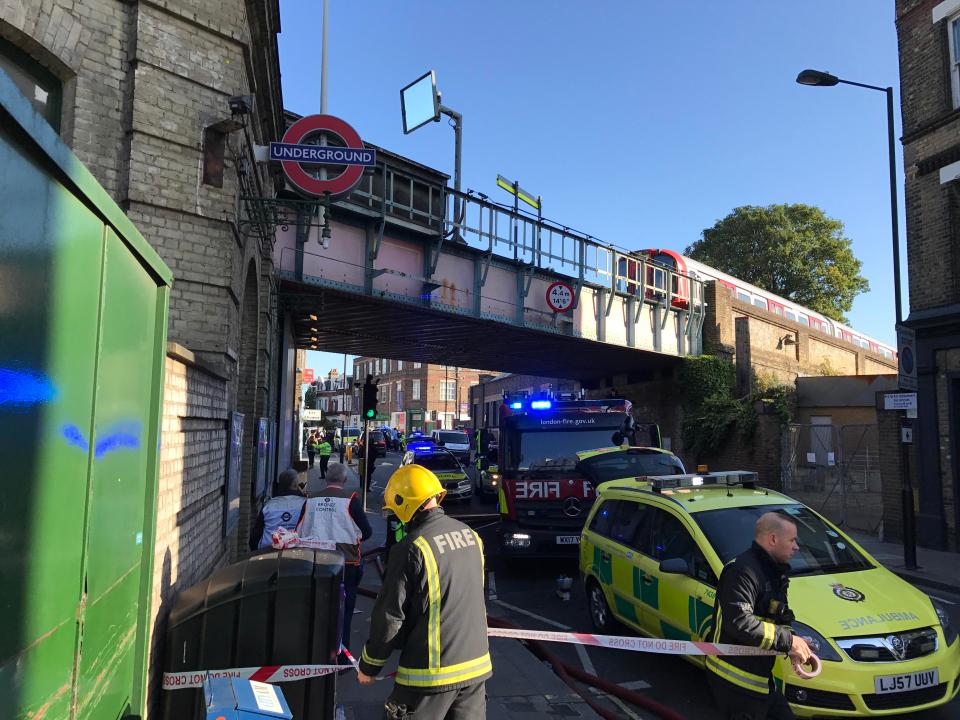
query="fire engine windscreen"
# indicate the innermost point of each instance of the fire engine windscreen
(549, 449)
(632, 463)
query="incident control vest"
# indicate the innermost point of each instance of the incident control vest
(327, 518)
(282, 511)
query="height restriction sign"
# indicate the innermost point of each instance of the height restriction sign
(560, 297)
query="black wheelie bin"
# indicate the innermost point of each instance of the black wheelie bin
(278, 607)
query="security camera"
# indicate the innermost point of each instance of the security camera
(240, 104)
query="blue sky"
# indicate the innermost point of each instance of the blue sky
(640, 122)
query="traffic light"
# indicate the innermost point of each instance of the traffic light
(370, 390)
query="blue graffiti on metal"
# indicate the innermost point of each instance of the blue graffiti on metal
(119, 436)
(24, 388)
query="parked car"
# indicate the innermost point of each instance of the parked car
(378, 442)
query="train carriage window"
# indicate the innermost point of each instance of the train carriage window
(791, 315)
(743, 296)
(803, 320)
(760, 302)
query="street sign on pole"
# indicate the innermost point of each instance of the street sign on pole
(907, 358)
(514, 189)
(311, 414)
(900, 401)
(307, 376)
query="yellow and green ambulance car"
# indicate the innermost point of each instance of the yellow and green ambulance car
(652, 550)
(445, 466)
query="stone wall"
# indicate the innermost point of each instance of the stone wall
(780, 349)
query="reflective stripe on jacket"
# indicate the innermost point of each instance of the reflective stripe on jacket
(431, 607)
(751, 609)
(327, 517)
(281, 511)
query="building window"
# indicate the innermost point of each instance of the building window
(415, 390)
(416, 365)
(399, 365)
(39, 85)
(448, 390)
(953, 30)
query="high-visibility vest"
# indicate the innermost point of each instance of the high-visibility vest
(282, 511)
(327, 518)
(324, 448)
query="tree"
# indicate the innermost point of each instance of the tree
(310, 397)
(795, 251)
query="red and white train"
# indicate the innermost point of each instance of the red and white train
(656, 280)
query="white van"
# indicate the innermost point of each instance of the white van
(456, 441)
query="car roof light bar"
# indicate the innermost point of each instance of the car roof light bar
(726, 479)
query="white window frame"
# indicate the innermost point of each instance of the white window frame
(415, 389)
(417, 365)
(448, 390)
(399, 365)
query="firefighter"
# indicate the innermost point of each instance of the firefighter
(439, 676)
(751, 609)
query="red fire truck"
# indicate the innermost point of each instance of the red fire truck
(543, 500)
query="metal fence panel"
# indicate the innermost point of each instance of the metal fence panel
(835, 469)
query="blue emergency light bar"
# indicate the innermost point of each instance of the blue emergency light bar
(516, 406)
(540, 405)
(420, 446)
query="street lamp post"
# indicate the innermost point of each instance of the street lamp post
(818, 78)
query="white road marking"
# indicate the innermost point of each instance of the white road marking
(943, 600)
(542, 619)
(585, 659)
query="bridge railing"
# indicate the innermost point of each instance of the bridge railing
(506, 233)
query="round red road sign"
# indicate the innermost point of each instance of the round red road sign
(560, 297)
(304, 181)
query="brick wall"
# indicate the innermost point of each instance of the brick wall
(891, 475)
(190, 503)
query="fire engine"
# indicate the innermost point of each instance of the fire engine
(543, 499)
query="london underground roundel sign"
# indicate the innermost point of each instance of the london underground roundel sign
(294, 153)
(560, 297)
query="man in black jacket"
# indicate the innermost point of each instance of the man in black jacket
(440, 676)
(751, 609)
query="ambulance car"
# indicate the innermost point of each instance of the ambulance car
(651, 552)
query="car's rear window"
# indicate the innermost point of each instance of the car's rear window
(376, 436)
(457, 438)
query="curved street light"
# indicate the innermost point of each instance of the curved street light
(819, 78)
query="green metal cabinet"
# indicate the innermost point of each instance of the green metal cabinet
(83, 317)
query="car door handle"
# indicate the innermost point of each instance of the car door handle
(647, 580)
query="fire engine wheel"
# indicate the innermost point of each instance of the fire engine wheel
(600, 614)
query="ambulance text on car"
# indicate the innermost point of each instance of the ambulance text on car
(653, 548)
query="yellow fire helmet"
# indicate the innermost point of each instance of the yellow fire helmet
(409, 488)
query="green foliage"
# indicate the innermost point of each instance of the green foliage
(310, 397)
(712, 415)
(795, 251)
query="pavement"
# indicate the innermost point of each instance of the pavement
(936, 569)
(522, 687)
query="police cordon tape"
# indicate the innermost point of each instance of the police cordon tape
(291, 673)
